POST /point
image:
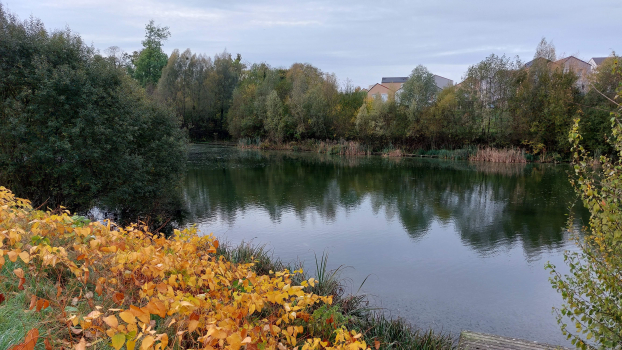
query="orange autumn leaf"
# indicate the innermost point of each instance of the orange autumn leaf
(81, 345)
(111, 321)
(19, 273)
(29, 341)
(164, 341)
(41, 304)
(127, 317)
(25, 257)
(147, 342)
(118, 298)
(234, 341)
(192, 325)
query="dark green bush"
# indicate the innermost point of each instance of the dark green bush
(74, 128)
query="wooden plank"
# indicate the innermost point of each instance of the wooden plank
(480, 341)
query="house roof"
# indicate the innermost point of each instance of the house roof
(599, 60)
(386, 80)
(436, 75)
(569, 57)
(394, 79)
(371, 87)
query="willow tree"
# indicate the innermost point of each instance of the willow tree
(591, 314)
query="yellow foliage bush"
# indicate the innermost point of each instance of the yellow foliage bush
(128, 287)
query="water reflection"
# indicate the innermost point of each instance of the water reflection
(492, 206)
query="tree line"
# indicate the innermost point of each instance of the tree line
(499, 103)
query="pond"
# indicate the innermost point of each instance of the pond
(445, 245)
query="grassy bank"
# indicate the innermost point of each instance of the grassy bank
(72, 283)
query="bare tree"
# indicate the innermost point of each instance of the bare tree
(545, 50)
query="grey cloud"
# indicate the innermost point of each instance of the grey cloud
(362, 40)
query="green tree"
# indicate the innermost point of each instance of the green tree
(546, 100)
(592, 309)
(419, 91)
(381, 121)
(490, 84)
(597, 105)
(350, 100)
(249, 107)
(276, 121)
(75, 128)
(225, 77)
(151, 59)
(187, 86)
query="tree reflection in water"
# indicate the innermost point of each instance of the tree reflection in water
(491, 205)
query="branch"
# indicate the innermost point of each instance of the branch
(605, 96)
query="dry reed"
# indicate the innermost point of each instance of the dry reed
(495, 155)
(395, 153)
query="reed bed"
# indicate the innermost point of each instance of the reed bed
(455, 154)
(496, 155)
(343, 148)
(395, 153)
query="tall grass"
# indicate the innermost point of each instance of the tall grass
(16, 319)
(496, 155)
(351, 310)
(398, 334)
(15, 322)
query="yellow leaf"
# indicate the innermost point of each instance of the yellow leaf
(12, 256)
(246, 340)
(118, 340)
(111, 321)
(131, 344)
(234, 341)
(164, 341)
(127, 317)
(147, 342)
(220, 334)
(25, 257)
(19, 272)
(192, 325)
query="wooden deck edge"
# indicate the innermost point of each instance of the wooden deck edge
(481, 341)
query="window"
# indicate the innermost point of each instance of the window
(384, 97)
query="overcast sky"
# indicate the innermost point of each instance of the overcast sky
(361, 40)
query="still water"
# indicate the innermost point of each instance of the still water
(446, 245)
